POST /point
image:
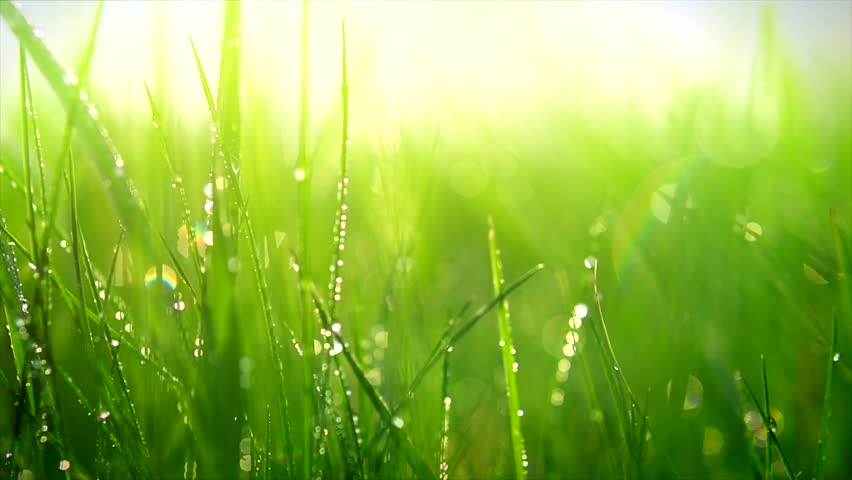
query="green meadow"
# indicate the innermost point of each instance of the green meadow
(245, 263)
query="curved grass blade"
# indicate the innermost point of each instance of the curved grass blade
(825, 422)
(108, 160)
(65, 150)
(74, 304)
(449, 338)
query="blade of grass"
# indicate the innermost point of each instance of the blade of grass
(447, 401)
(767, 460)
(177, 183)
(260, 278)
(510, 364)
(74, 304)
(218, 423)
(770, 430)
(825, 422)
(303, 176)
(107, 159)
(449, 338)
(420, 468)
(25, 142)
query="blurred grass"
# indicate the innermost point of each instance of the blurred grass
(717, 235)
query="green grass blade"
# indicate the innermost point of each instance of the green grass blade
(767, 461)
(770, 430)
(211, 105)
(108, 161)
(420, 468)
(303, 176)
(13, 275)
(25, 142)
(335, 283)
(446, 405)
(452, 336)
(177, 183)
(510, 364)
(825, 422)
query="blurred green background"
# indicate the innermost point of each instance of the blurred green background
(695, 149)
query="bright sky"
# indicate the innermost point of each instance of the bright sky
(421, 54)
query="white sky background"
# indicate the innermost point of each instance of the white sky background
(420, 55)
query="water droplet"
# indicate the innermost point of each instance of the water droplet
(398, 422)
(233, 264)
(713, 441)
(590, 262)
(180, 305)
(568, 350)
(103, 416)
(65, 465)
(581, 310)
(575, 322)
(753, 231)
(572, 337)
(245, 463)
(694, 394)
(299, 174)
(836, 357)
(557, 397)
(520, 412)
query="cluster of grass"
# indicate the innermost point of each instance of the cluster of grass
(186, 331)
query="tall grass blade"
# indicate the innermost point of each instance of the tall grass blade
(510, 364)
(769, 424)
(767, 461)
(446, 405)
(25, 141)
(420, 468)
(303, 176)
(177, 184)
(825, 422)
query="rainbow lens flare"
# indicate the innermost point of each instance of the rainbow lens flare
(168, 277)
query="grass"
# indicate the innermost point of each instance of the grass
(166, 311)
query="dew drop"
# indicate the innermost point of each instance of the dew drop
(299, 174)
(836, 357)
(64, 465)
